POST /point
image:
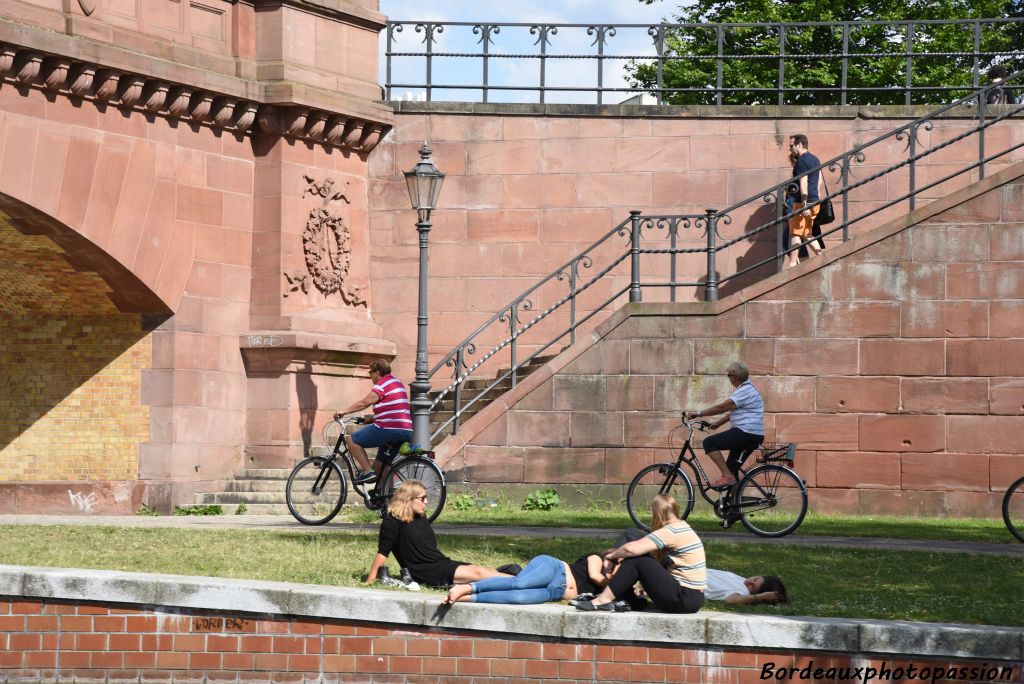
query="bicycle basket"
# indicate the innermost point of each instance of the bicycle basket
(774, 452)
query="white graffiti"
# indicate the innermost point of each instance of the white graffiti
(265, 341)
(82, 501)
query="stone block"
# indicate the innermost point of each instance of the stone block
(985, 358)
(958, 471)
(537, 191)
(679, 393)
(986, 280)
(345, 604)
(974, 504)
(1004, 470)
(646, 625)
(713, 356)
(726, 324)
(629, 392)
(902, 357)
(935, 242)
(780, 319)
(1006, 396)
(578, 392)
(540, 428)
(545, 620)
(902, 503)
(818, 432)
(608, 357)
(945, 395)
(984, 434)
(857, 394)
(553, 465)
(495, 434)
(622, 465)
(857, 319)
(944, 319)
(786, 393)
(91, 585)
(1006, 319)
(1007, 242)
(625, 190)
(830, 501)
(671, 356)
(671, 189)
(858, 469)
(642, 328)
(815, 357)
(871, 281)
(599, 429)
(956, 641)
(648, 429)
(493, 464)
(503, 225)
(902, 433)
(763, 631)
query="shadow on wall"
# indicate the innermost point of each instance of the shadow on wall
(72, 354)
(306, 392)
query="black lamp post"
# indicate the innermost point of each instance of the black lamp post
(424, 183)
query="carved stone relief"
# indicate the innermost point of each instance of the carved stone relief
(327, 246)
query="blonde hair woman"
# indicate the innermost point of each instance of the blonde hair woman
(407, 534)
(678, 589)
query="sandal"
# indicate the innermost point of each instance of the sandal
(723, 482)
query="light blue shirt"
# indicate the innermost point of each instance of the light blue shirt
(749, 412)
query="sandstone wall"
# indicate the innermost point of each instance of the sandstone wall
(531, 186)
(894, 362)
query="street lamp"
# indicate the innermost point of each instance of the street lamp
(424, 183)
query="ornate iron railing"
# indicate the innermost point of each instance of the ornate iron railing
(976, 44)
(656, 253)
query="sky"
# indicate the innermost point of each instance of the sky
(575, 72)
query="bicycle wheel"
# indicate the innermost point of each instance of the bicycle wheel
(426, 471)
(1013, 509)
(316, 490)
(660, 478)
(772, 501)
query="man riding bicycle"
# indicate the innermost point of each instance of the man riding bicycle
(745, 409)
(391, 422)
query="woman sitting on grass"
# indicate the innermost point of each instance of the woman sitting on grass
(408, 534)
(543, 579)
(679, 589)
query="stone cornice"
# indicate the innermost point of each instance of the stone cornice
(343, 10)
(147, 94)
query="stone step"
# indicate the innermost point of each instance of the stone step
(247, 498)
(264, 474)
(243, 486)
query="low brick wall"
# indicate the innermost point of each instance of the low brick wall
(85, 626)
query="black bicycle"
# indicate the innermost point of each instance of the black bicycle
(1013, 509)
(770, 499)
(317, 487)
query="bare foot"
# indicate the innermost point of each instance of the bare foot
(458, 592)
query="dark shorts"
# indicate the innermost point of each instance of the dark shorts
(738, 443)
(439, 574)
(373, 436)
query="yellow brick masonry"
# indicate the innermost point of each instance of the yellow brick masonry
(70, 369)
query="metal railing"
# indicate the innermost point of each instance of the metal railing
(864, 62)
(879, 179)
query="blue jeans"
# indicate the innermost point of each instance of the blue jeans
(373, 436)
(542, 580)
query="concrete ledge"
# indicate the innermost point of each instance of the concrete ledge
(394, 608)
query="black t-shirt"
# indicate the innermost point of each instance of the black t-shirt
(805, 163)
(581, 574)
(413, 544)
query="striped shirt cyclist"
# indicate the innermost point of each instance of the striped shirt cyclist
(391, 412)
(685, 553)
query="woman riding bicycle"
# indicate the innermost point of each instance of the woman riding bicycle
(391, 423)
(745, 409)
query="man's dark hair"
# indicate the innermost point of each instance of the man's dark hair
(800, 139)
(998, 71)
(773, 583)
(380, 366)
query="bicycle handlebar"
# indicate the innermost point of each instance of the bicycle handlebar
(696, 424)
(355, 420)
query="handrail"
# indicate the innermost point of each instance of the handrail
(663, 237)
(909, 47)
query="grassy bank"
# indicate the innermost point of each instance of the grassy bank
(855, 583)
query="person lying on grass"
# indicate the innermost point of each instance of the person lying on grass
(407, 533)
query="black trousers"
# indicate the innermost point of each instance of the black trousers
(662, 588)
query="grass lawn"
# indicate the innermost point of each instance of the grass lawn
(614, 517)
(856, 583)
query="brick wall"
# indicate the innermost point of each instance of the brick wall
(895, 363)
(70, 407)
(49, 640)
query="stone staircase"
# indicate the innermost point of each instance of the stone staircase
(262, 489)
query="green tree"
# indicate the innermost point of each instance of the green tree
(878, 51)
